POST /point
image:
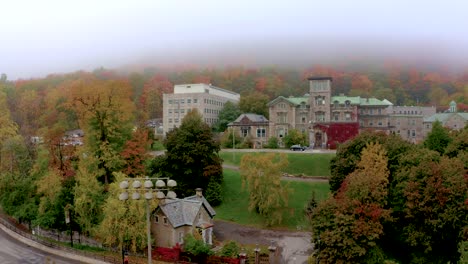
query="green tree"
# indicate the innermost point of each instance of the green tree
(255, 103)
(438, 139)
(229, 113)
(191, 158)
(124, 223)
(261, 176)
(295, 137)
(349, 226)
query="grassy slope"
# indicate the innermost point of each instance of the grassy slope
(235, 202)
(299, 163)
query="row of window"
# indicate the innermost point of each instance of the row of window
(412, 112)
(370, 111)
(182, 101)
(211, 111)
(213, 102)
(211, 120)
(409, 133)
(261, 132)
(170, 110)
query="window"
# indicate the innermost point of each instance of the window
(347, 103)
(371, 111)
(371, 123)
(282, 118)
(320, 116)
(336, 116)
(380, 111)
(303, 119)
(282, 106)
(165, 220)
(182, 111)
(408, 133)
(413, 133)
(195, 101)
(170, 111)
(176, 110)
(181, 237)
(413, 122)
(156, 219)
(380, 123)
(319, 100)
(170, 101)
(170, 120)
(176, 120)
(176, 101)
(335, 104)
(244, 132)
(261, 132)
(189, 101)
(182, 101)
(348, 116)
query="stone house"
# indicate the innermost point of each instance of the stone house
(173, 219)
(251, 126)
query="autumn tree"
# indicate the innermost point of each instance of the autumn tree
(348, 227)
(429, 203)
(8, 128)
(135, 153)
(348, 155)
(255, 103)
(191, 158)
(261, 176)
(104, 110)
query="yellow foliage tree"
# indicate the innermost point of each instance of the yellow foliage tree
(261, 175)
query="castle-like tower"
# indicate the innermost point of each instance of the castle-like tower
(319, 100)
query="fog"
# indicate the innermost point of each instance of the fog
(50, 36)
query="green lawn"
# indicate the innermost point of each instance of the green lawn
(316, 164)
(235, 202)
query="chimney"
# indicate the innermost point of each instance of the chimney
(199, 192)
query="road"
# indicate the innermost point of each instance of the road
(13, 251)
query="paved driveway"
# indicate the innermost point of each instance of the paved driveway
(295, 247)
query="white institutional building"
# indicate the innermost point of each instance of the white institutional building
(206, 98)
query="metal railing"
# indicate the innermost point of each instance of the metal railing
(5, 222)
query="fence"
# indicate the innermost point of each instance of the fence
(20, 231)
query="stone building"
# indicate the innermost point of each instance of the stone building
(327, 119)
(451, 119)
(251, 126)
(175, 218)
(206, 98)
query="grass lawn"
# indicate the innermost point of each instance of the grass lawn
(316, 164)
(235, 202)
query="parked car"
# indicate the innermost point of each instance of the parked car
(298, 148)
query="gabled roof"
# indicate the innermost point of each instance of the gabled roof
(205, 203)
(252, 118)
(443, 117)
(292, 100)
(180, 212)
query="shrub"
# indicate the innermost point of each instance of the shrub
(231, 249)
(196, 247)
(272, 143)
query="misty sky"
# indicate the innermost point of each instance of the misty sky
(48, 36)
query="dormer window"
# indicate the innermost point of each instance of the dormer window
(336, 104)
(347, 103)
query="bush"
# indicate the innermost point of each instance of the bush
(231, 249)
(272, 143)
(196, 247)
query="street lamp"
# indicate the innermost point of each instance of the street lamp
(150, 191)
